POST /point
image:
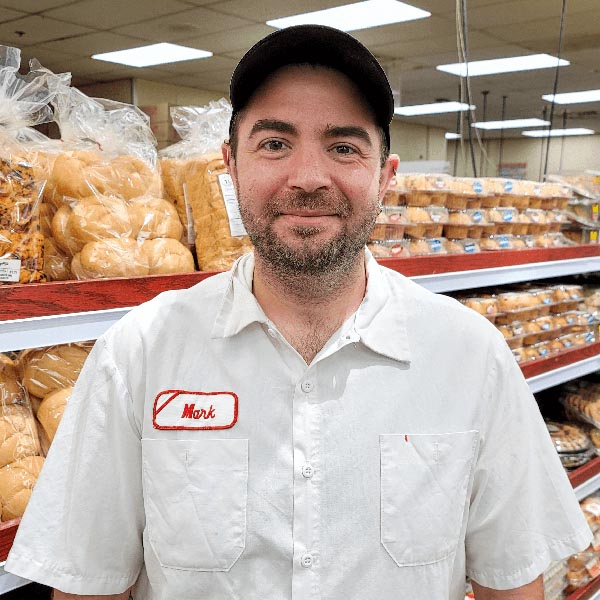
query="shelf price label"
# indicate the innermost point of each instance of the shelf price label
(10, 270)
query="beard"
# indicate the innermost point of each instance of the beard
(309, 256)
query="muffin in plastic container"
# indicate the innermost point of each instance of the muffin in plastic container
(390, 223)
(463, 246)
(425, 222)
(513, 334)
(484, 305)
(510, 192)
(389, 248)
(465, 223)
(538, 222)
(427, 246)
(422, 189)
(566, 297)
(502, 219)
(467, 192)
(496, 242)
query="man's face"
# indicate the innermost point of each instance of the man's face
(307, 170)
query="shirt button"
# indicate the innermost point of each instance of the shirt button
(307, 387)
(306, 560)
(308, 471)
(272, 332)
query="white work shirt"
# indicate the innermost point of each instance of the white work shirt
(200, 457)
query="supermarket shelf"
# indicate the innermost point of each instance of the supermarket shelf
(544, 373)
(589, 592)
(586, 479)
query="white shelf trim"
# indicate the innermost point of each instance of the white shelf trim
(588, 487)
(10, 582)
(36, 332)
(560, 375)
(464, 280)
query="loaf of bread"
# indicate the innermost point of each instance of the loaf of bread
(17, 480)
(167, 255)
(46, 370)
(51, 410)
(18, 434)
(11, 391)
(153, 217)
(216, 247)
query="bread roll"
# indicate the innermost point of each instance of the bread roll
(11, 391)
(51, 410)
(166, 255)
(154, 218)
(16, 483)
(46, 370)
(18, 434)
(69, 177)
(56, 262)
(60, 232)
(120, 257)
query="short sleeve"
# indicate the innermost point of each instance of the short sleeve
(82, 530)
(523, 512)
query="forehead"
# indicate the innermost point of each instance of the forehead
(310, 92)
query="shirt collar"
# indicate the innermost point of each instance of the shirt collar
(380, 322)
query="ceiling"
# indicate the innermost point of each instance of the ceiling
(63, 34)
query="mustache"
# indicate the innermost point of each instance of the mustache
(299, 200)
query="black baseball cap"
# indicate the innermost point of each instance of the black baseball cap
(319, 45)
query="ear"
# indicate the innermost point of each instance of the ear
(229, 161)
(388, 172)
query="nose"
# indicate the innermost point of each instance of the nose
(309, 170)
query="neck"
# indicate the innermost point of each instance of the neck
(308, 308)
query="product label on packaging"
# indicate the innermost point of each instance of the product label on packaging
(435, 245)
(477, 187)
(191, 232)
(508, 186)
(507, 215)
(10, 270)
(236, 227)
(181, 409)
(477, 216)
(593, 568)
(469, 248)
(594, 212)
(503, 242)
(594, 236)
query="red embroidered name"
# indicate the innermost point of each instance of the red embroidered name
(189, 412)
(181, 409)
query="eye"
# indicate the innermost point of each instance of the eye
(344, 149)
(274, 145)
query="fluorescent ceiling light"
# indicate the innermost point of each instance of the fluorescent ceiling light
(511, 124)
(503, 65)
(558, 132)
(574, 97)
(155, 54)
(360, 15)
(452, 136)
(432, 109)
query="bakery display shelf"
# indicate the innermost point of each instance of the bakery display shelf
(591, 591)
(10, 582)
(586, 479)
(544, 373)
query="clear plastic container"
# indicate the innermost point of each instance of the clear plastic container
(467, 192)
(484, 305)
(501, 220)
(568, 437)
(421, 189)
(389, 248)
(497, 242)
(468, 223)
(463, 246)
(390, 223)
(427, 246)
(425, 222)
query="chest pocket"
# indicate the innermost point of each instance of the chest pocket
(195, 496)
(424, 483)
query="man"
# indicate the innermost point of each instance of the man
(309, 425)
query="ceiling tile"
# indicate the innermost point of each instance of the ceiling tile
(264, 10)
(241, 38)
(6, 14)
(105, 14)
(212, 65)
(37, 29)
(183, 25)
(94, 43)
(34, 6)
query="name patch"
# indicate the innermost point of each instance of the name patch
(180, 409)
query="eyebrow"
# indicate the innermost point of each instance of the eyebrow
(273, 125)
(354, 131)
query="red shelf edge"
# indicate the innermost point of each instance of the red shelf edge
(585, 472)
(586, 592)
(561, 359)
(8, 530)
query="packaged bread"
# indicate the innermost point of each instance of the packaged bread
(421, 189)
(197, 182)
(17, 480)
(45, 370)
(51, 410)
(11, 390)
(23, 104)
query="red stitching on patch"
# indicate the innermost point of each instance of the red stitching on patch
(174, 393)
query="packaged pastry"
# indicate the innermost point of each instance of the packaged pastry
(510, 192)
(422, 189)
(390, 223)
(566, 297)
(393, 197)
(517, 306)
(501, 219)
(197, 182)
(497, 242)
(427, 246)
(389, 248)
(584, 211)
(568, 437)
(465, 224)
(424, 222)
(467, 192)
(547, 240)
(521, 223)
(514, 334)
(578, 321)
(23, 104)
(463, 246)
(582, 235)
(538, 221)
(17, 480)
(484, 305)
(51, 410)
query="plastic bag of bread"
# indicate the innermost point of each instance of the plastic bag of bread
(24, 102)
(197, 182)
(51, 410)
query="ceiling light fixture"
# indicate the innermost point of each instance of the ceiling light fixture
(503, 65)
(511, 124)
(155, 54)
(432, 109)
(573, 97)
(449, 135)
(558, 132)
(360, 15)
